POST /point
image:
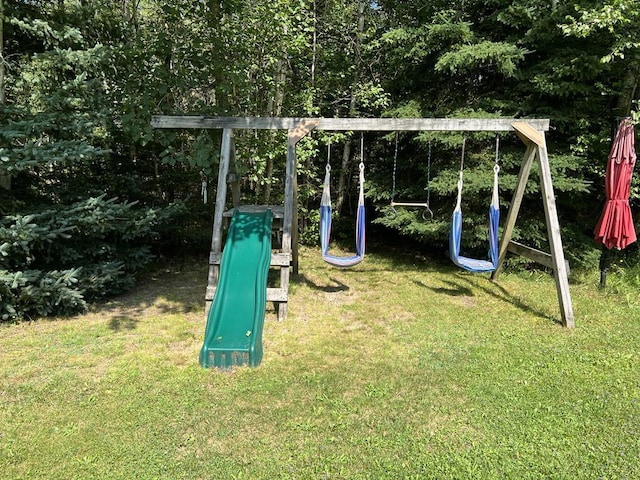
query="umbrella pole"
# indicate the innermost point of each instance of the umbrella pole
(605, 263)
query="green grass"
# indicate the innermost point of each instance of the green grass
(398, 368)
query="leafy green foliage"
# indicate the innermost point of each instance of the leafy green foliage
(74, 137)
(54, 261)
(82, 80)
(465, 59)
(618, 18)
(33, 293)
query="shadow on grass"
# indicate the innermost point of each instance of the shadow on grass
(337, 286)
(176, 289)
(456, 289)
(498, 291)
(460, 285)
(180, 288)
(122, 322)
(400, 260)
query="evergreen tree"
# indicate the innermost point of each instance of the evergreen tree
(61, 242)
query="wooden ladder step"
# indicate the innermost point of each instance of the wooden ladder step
(273, 294)
(277, 259)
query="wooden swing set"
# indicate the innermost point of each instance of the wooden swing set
(530, 131)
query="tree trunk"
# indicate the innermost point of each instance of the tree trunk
(629, 88)
(5, 178)
(345, 169)
(306, 200)
(342, 179)
(130, 12)
(314, 52)
(2, 71)
(275, 110)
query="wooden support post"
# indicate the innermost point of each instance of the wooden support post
(221, 198)
(516, 201)
(555, 239)
(290, 224)
(538, 256)
(233, 176)
(287, 222)
(536, 148)
(290, 221)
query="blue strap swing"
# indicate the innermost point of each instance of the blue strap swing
(325, 218)
(455, 234)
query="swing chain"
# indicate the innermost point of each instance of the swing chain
(428, 208)
(360, 166)
(393, 203)
(394, 212)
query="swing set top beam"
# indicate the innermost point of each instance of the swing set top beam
(349, 124)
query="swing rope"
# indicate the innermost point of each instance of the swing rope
(455, 234)
(325, 216)
(424, 205)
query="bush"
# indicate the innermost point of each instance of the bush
(54, 262)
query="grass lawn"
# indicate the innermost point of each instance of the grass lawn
(397, 368)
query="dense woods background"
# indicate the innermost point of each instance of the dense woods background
(90, 193)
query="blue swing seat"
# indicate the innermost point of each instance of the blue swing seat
(455, 233)
(325, 225)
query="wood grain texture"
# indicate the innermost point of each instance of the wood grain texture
(350, 124)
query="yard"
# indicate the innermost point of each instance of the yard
(398, 368)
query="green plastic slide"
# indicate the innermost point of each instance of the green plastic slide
(233, 335)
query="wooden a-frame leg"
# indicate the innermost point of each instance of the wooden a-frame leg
(516, 201)
(221, 198)
(537, 148)
(555, 239)
(290, 223)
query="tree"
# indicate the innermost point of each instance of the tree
(486, 58)
(617, 21)
(80, 80)
(63, 241)
(5, 177)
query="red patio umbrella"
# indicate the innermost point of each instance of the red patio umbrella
(615, 227)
